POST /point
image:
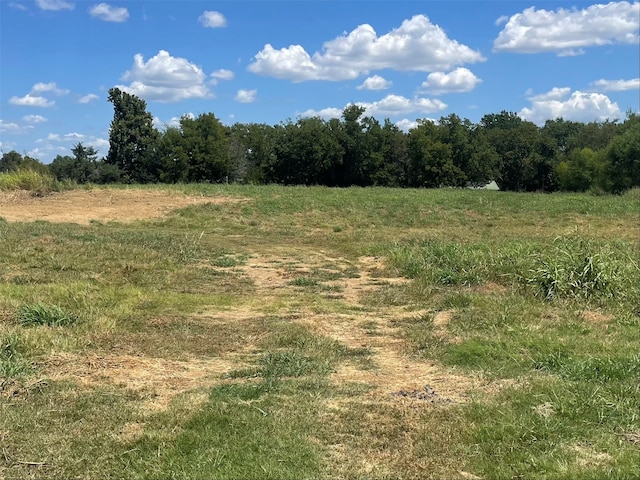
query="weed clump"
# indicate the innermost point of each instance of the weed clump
(12, 363)
(36, 182)
(577, 269)
(42, 314)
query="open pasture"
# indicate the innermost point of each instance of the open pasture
(256, 332)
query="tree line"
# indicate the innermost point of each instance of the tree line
(357, 150)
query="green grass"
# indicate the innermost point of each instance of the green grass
(527, 303)
(38, 183)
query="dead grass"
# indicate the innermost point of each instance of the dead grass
(103, 205)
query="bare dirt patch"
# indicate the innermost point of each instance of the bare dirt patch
(158, 380)
(103, 205)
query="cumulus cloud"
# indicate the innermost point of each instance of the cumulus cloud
(48, 87)
(246, 96)
(375, 83)
(31, 101)
(459, 80)
(405, 124)
(54, 5)
(173, 123)
(164, 78)
(34, 119)
(577, 106)
(617, 85)
(325, 113)
(108, 13)
(567, 31)
(210, 19)
(389, 106)
(88, 98)
(34, 97)
(417, 45)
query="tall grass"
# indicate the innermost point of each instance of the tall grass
(36, 182)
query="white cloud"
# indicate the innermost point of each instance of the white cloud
(579, 106)
(375, 82)
(73, 136)
(108, 13)
(325, 113)
(164, 78)
(34, 119)
(566, 31)
(246, 96)
(48, 87)
(389, 106)
(417, 45)
(54, 5)
(34, 99)
(405, 124)
(88, 98)
(31, 101)
(9, 127)
(212, 20)
(222, 74)
(173, 123)
(617, 85)
(459, 80)
(396, 105)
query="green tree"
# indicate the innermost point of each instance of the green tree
(623, 155)
(133, 140)
(204, 142)
(13, 161)
(526, 158)
(431, 158)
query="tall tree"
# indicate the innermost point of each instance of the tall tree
(205, 143)
(133, 140)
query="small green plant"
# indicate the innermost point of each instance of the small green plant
(43, 314)
(12, 363)
(304, 282)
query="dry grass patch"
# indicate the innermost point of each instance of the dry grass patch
(104, 205)
(158, 380)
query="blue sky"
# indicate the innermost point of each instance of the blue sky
(269, 61)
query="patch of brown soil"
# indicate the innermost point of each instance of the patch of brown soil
(104, 205)
(158, 379)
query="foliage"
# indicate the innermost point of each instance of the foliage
(36, 182)
(12, 162)
(133, 140)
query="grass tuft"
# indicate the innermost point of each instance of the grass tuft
(35, 314)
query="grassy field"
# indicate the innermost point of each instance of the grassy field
(315, 333)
